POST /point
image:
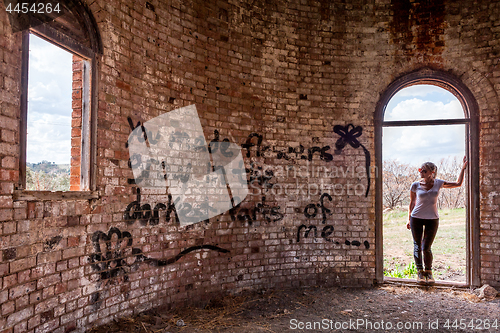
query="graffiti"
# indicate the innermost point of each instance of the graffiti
(310, 212)
(325, 233)
(257, 175)
(253, 140)
(95, 300)
(164, 262)
(114, 259)
(145, 215)
(288, 153)
(197, 175)
(223, 146)
(114, 256)
(248, 143)
(52, 243)
(147, 135)
(254, 147)
(261, 210)
(357, 243)
(348, 135)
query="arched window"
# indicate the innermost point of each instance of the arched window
(463, 121)
(58, 99)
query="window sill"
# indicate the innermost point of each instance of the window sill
(24, 195)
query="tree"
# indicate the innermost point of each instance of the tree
(42, 181)
(397, 179)
(449, 169)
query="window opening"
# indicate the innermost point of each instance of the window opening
(56, 122)
(49, 132)
(404, 148)
(73, 32)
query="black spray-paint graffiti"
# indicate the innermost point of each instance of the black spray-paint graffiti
(257, 175)
(325, 233)
(147, 135)
(250, 215)
(348, 135)
(311, 211)
(115, 257)
(145, 215)
(288, 154)
(52, 243)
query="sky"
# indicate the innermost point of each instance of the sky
(49, 103)
(417, 144)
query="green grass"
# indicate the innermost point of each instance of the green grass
(409, 272)
(449, 247)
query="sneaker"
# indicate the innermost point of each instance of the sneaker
(428, 276)
(421, 277)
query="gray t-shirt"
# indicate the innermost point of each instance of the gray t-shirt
(426, 205)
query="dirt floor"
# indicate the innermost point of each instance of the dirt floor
(381, 309)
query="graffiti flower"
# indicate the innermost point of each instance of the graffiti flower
(113, 255)
(349, 135)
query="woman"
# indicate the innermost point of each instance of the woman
(423, 215)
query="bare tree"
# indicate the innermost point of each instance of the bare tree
(449, 169)
(397, 181)
(398, 178)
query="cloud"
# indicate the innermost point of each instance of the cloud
(49, 103)
(49, 78)
(417, 144)
(420, 90)
(49, 138)
(49, 59)
(49, 97)
(417, 109)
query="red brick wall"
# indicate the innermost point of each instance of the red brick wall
(76, 124)
(287, 71)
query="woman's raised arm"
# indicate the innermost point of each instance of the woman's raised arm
(460, 178)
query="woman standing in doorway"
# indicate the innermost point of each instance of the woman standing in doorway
(423, 215)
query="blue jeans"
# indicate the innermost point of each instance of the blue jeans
(422, 240)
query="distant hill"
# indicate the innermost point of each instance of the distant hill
(49, 167)
(47, 176)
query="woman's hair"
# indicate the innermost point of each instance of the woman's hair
(431, 167)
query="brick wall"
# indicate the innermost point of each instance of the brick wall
(273, 77)
(76, 123)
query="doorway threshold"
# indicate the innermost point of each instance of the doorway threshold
(438, 283)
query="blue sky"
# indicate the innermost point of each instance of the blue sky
(415, 145)
(49, 103)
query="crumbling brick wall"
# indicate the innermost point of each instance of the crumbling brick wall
(76, 123)
(288, 81)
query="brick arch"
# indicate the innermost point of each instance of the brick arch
(87, 22)
(470, 105)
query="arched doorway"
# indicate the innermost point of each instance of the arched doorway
(470, 122)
